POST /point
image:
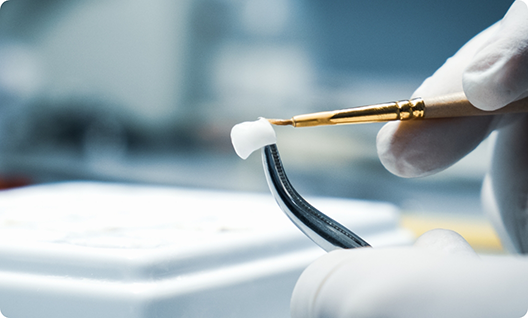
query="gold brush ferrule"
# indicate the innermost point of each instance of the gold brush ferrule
(400, 110)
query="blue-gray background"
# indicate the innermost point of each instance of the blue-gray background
(147, 91)
(397, 36)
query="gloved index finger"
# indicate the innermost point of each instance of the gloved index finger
(498, 73)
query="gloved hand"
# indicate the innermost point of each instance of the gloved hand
(440, 277)
(492, 70)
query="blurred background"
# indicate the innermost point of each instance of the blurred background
(147, 91)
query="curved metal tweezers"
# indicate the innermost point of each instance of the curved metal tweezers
(321, 229)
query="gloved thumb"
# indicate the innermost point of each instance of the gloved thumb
(498, 73)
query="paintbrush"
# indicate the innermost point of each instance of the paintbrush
(448, 106)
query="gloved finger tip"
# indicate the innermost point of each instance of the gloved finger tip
(314, 276)
(392, 154)
(385, 137)
(446, 241)
(385, 147)
(401, 168)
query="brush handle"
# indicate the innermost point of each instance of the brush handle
(457, 105)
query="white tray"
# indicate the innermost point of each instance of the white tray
(113, 250)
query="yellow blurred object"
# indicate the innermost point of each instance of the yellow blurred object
(476, 230)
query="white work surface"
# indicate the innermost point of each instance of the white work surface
(113, 250)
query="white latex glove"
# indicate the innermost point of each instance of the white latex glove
(439, 277)
(492, 69)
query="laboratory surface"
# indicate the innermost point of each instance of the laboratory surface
(91, 249)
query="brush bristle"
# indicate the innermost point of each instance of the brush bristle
(281, 122)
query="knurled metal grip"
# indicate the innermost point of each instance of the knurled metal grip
(400, 110)
(410, 109)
